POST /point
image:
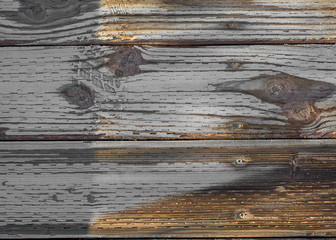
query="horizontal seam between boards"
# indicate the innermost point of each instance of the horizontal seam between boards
(172, 44)
(170, 139)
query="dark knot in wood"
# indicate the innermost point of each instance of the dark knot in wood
(296, 96)
(79, 94)
(35, 12)
(45, 13)
(280, 89)
(126, 62)
(301, 111)
(233, 25)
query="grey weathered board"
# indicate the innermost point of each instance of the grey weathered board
(176, 22)
(143, 92)
(59, 80)
(168, 189)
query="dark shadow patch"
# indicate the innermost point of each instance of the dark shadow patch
(44, 230)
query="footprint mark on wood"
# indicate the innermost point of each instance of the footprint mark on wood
(295, 95)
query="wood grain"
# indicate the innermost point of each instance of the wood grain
(175, 22)
(143, 92)
(168, 188)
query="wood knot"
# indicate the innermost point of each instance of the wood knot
(295, 95)
(45, 13)
(35, 12)
(126, 62)
(233, 65)
(304, 112)
(281, 89)
(232, 25)
(78, 94)
(237, 125)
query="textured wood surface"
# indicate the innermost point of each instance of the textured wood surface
(219, 92)
(175, 22)
(181, 188)
(91, 70)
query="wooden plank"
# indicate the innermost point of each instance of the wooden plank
(40, 22)
(218, 92)
(168, 189)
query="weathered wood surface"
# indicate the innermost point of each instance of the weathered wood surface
(176, 189)
(219, 92)
(166, 21)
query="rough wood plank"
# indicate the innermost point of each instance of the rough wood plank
(166, 22)
(219, 92)
(168, 189)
